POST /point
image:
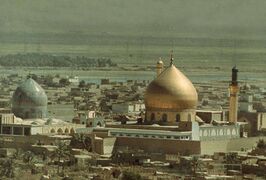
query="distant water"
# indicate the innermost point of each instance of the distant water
(251, 78)
(196, 76)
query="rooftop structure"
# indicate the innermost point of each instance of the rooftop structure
(12, 125)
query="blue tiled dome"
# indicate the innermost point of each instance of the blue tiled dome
(29, 100)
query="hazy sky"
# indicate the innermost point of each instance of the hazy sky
(133, 16)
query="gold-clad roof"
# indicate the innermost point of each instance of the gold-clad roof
(171, 90)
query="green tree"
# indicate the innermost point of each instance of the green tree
(128, 175)
(81, 141)
(82, 84)
(194, 164)
(33, 76)
(48, 80)
(64, 82)
(28, 157)
(261, 144)
(8, 168)
(231, 158)
(62, 153)
(231, 161)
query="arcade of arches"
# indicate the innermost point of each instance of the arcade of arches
(170, 117)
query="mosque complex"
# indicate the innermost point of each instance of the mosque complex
(170, 125)
(29, 113)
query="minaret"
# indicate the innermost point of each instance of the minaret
(234, 89)
(159, 67)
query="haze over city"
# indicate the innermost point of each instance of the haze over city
(118, 28)
(132, 90)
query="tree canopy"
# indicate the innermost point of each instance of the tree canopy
(47, 60)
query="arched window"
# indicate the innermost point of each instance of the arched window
(164, 118)
(72, 131)
(177, 118)
(52, 131)
(152, 117)
(99, 124)
(66, 131)
(60, 131)
(189, 117)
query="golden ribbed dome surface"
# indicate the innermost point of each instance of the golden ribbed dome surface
(171, 90)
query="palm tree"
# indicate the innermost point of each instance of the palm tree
(62, 153)
(231, 158)
(194, 164)
(8, 168)
(231, 161)
(28, 157)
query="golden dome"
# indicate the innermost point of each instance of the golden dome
(171, 90)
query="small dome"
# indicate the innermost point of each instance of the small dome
(171, 90)
(29, 92)
(160, 62)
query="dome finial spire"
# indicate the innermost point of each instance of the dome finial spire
(171, 57)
